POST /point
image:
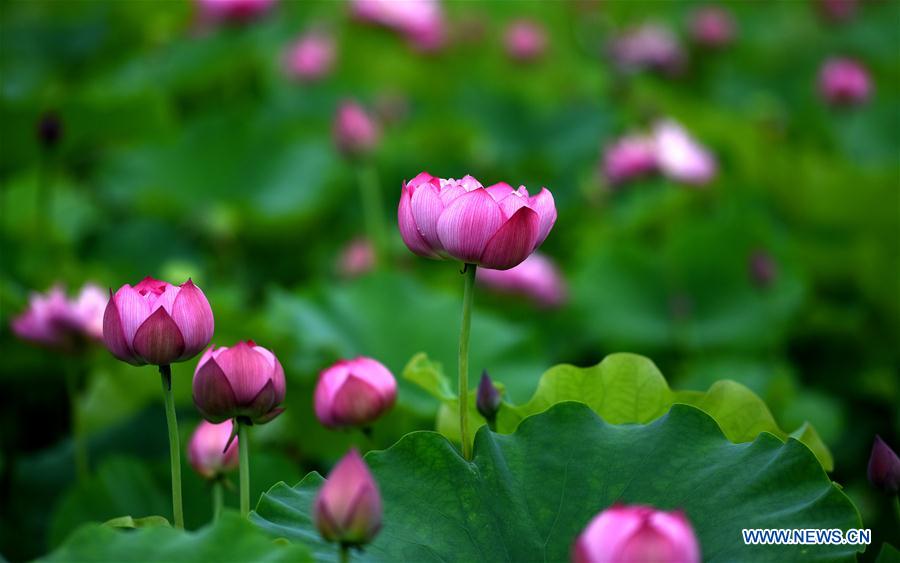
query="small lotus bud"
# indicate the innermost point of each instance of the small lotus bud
(637, 533)
(763, 269)
(348, 506)
(525, 40)
(712, 26)
(244, 381)
(206, 450)
(49, 130)
(311, 57)
(844, 82)
(488, 401)
(54, 321)
(354, 393)
(355, 131)
(357, 258)
(884, 467)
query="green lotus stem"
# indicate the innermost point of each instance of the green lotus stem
(174, 448)
(79, 444)
(370, 193)
(897, 507)
(344, 551)
(217, 498)
(244, 466)
(468, 297)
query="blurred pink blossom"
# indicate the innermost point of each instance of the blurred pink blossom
(356, 258)
(525, 40)
(207, 453)
(844, 82)
(310, 57)
(648, 46)
(420, 21)
(837, 11)
(712, 26)
(55, 321)
(628, 158)
(355, 131)
(680, 157)
(233, 11)
(537, 278)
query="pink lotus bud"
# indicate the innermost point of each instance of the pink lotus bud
(354, 393)
(348, 507)
(54, 321)
(537, 278)
(837, 11)
(844, 82)
(637, 533)
(629, 158)
(680, 157)
(355, 132)
(525, 40)
(157, 323)
(357, 258)
(495, 227)
(884, 467)
(233, 11)
(311, 57)
(488, 400)
(421, 21)
(648, 46)
(763, 269)
(244, 381)
(712, 26)
(206, 450)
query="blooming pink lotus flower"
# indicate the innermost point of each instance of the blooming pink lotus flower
(844, 82)
(355, 132)
(537, 278)
(680, 157)
(311, 57)
(421, 21)
(357, 258)
(233, 11)
(348, 506)
(354, 393)
(157, 323)
(628, 158)
(637, 533)
(648, 46)
(884, 467)
(207, 452)
(712, 26)
(495, 227)
(525, 40)
(55, 321)
(244, 381)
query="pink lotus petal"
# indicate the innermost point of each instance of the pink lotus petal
(194, 317)
(513, 242)
(426, 208)
(158, 340)
(468, 223)
(409, 231)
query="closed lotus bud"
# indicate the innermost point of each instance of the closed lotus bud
(495, 227)
(311, 57)
(157, 323)
(884, 467)
(488, 400)
(680, 157)
(637, 534)
(64, 324)
(233, 11)
(763, 269)
(348, 509)
(525, 40)
(49, 129)
(844, 82)
(206, 450)
(712, 26)
(629, 158)
(355, 132)
(354, 393)
(537, 278)
(244, 381)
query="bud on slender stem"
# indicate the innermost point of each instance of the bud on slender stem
(488, 400)
(884, 467)
(347, 509)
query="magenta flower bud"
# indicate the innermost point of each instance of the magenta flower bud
(244, 381)
(488, 399)
(525, 40)
(357, 258)
(629, 158)
(157, 323)
(844, 82)
(712, 26)
(763, 269)
(495, 227)
(207, 452)
(680, 157)
(536, 278)
(354, 393)
(355, 132)
(884, 467)
(54, 321)
(348, 507)
(49, 130)
(637, 533)
(311, 57)
(233, 11)
(648, 46)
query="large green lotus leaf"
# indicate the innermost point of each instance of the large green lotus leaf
(230, 539)
(623, 388)
(527, 495)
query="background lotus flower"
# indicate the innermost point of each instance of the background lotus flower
(243, 381)
(357, 258)
(637, 533)
(421, 21)
(233, 11)
(55, 321)
(837, 11)
(354, 393)
(884, 467)
(712, 26)
(157, 323)
(680, 157)
(207, 453)
(537, 278)
(525, 40)
(347, 508)
(844, 82)
(628, 158)
(495, 227)
(311, 57)
(650, 46)
(355, 131)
